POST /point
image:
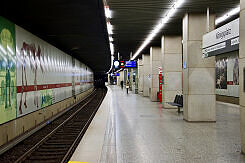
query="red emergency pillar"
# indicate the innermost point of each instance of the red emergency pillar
(160, 87)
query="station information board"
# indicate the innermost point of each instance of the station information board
(116, 74)
(221, 40)
(130, 64)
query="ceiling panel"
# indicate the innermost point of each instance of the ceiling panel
(133, 20)
(77, 27)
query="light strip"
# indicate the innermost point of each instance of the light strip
(109, 28)
(110, 39)
(108, 15)
(227, 15)
(112, 48)
(159, 26)
(108, 12)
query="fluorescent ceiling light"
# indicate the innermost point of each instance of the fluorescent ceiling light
(159, 26)
(112, 48)
(228, 15)
(109, 28)
(110, 38)
(108, 13)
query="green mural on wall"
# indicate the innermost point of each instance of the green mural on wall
(7, 71)
(46, 97)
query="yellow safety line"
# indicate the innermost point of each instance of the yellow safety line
(77, 162)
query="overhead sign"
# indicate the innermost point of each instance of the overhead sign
(116, 74)
(222, 40)
(130, 64)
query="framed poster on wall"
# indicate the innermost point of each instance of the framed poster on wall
(221, 73)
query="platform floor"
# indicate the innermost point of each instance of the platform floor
(140, 131)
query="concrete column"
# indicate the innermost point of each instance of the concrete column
(121, 77)
(118, 80)
(109, 81)
(155, 63)
(140, 76)
(172, 68)
(241, 72)
(198, 74)
(146, 71)
(134, 80)
(130, 70)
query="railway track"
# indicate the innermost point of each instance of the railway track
(59, 145)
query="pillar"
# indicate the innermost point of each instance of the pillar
(155, 63)
(121, 77)
(130, 73)
(199, 97)
(140, 76)
(146, 71)
(241, 72)
(172, 68)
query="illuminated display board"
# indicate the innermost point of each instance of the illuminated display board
(130, 64)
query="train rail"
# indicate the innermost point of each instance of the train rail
(59, 144)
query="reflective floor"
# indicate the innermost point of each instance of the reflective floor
(140, 131)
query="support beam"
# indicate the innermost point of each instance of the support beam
(199, 97)
(155, 63)
(140, 76)
(241, 72)
(172, 68)
(146, 71)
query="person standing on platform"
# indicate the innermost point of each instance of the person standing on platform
(121, 84)
(127, 85)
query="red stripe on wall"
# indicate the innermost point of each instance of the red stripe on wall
(78, 83)
(30, 88)
(229, 82)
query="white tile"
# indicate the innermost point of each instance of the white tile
(172, 81)
(242, 5)
(147, 133)
(172, 44)
(201, 81)
(194, 56)
(172, 62)
(201, 108)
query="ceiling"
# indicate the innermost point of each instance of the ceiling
(78, 27)
(133, 20)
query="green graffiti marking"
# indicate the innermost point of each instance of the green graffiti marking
(7, 71)
(46, 97)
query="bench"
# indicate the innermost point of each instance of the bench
(178, 101)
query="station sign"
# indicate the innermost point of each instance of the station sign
(116, 74)
(221, 40)
(130, 64)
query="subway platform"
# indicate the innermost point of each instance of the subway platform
(130, 128)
